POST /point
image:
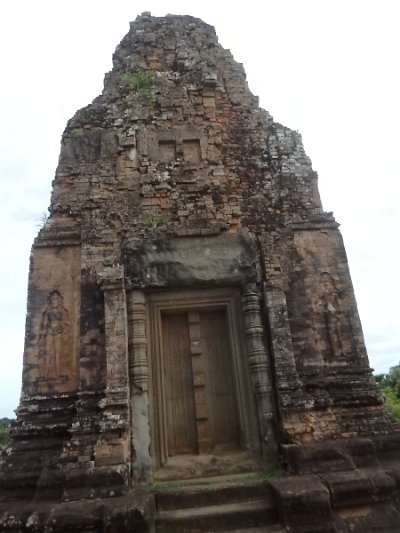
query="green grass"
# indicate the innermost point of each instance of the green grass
(167, 485)
(262, 475)
(141, 82)
(273, 472)
(268, 473)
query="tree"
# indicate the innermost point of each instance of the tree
(389, 384)
(3, 432)
(393, 379)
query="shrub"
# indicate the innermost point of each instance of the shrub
(3, 432)
(392, 401)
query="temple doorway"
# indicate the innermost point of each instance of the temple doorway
(200, 386)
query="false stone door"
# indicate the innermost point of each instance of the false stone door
(200, 405)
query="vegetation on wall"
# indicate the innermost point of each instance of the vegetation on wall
(389, 384)
(155, 221)
(141, 82)
(3, 432)
(41, 221)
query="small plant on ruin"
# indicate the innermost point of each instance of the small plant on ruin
(77, 133)
(155, 220)
(141, 82)
(273, 472)
(41, 221)
(215, 54)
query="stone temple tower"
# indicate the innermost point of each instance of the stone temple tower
(190, 314)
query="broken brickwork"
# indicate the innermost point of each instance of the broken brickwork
(176, 194)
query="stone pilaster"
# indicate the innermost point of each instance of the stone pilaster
(259, 367)
(138, 365)
(139, 385)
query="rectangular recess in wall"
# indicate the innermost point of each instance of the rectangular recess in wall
(192, 150)
(167, 151)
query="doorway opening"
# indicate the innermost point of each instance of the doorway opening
(202, 414)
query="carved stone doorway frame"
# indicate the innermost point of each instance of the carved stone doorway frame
(229, 301)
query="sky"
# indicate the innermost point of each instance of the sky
(328, 69)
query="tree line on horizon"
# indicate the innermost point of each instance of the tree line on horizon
(3, 432)
(389, 384)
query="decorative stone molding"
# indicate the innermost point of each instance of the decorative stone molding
(139, 385)
(259, 365)
(138, 364)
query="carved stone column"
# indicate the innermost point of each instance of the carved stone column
(259, 368)
(139, 386)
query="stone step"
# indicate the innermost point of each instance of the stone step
(213, 493)
(260, 529)
(253, 515)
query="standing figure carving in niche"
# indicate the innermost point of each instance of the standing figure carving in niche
(52, 342)
(332, 313)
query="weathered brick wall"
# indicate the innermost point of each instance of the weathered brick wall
(177, 146)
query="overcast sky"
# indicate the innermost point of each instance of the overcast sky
(329, 69)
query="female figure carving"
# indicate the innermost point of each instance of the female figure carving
(52, 341)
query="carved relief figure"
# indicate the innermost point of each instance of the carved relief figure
(54, 331)
(332, 313)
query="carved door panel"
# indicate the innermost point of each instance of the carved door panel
(200, 398)
(220, 389)
(178, 382)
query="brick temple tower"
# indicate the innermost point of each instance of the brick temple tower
(190, 311)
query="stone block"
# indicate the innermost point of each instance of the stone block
(318, 457)
(349, 488)
(303, 502)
